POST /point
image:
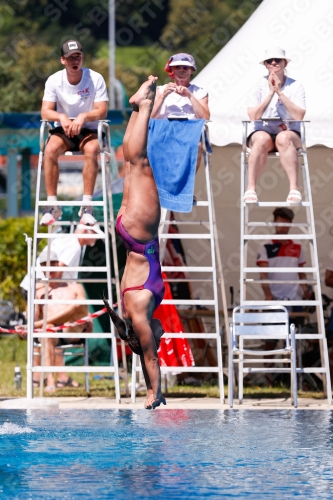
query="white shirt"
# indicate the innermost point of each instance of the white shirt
(68, 250)
(278, 253)
(75, 99)
(275, 109)
(180, 105)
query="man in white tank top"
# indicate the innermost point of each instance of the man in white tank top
(79, 93)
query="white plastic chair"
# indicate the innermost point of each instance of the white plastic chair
(261, 323)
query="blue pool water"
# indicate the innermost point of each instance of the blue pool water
(127, 454)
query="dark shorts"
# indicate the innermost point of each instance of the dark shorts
(40, 340)
(77, 139)
(64, 342)
(273, 136)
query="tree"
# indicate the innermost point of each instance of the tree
(147, 33)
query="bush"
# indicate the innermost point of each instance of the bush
(13, 258)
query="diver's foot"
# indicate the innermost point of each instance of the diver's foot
(148, 404)
(157, 402)
(149, 400)
(147, 91)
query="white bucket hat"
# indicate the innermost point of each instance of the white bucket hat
(275, 52)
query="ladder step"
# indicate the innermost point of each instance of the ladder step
(185, 302)
(184, 222)
(201, 204)
(280, 269)
(278, 282)
(307, 336)
(281, 302)
(277, 224)
(52, 236)
(278, 236)
(263, 360)
(77, 280)
(56, 335)
(279, 204)
(266, 370)
(173, 236)
(311, 370)
(73, 223)
(190, 280)
(191, 336)
(72, 203)
(71, 269)
(187, 269)
(69, 301)
(203, 369)
(73, 369)
(298, 336)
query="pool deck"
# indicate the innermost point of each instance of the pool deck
(83, 403)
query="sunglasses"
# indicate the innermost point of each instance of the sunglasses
(182, 67)
(276, 59)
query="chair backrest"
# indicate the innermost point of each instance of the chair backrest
(103, 135)
(261, 322)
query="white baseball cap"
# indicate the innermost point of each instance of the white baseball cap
(43, 256)
(96, 228)
(273, 52)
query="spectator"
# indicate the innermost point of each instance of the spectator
(180, 98)
(277, 96)
(283, 253)
(58, 314)
(74, 98)
(68, 250)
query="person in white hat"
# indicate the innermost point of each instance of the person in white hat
(68, 251)
(277, 96)
(58, 314)
(180, 96)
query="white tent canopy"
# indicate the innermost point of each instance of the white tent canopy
(304, 29)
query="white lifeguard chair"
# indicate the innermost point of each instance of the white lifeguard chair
(212, 273)
(109, 229)
(304, 231)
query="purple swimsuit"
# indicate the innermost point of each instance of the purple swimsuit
(151, 251)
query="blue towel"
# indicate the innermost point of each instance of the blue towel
(173, 153)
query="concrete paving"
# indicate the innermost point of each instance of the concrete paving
(83, 403)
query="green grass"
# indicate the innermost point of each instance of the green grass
(13, 352)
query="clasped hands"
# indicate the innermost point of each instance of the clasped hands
(72, 127)
(274, 83)
(179, 89)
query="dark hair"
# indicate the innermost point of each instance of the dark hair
(284, 212)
